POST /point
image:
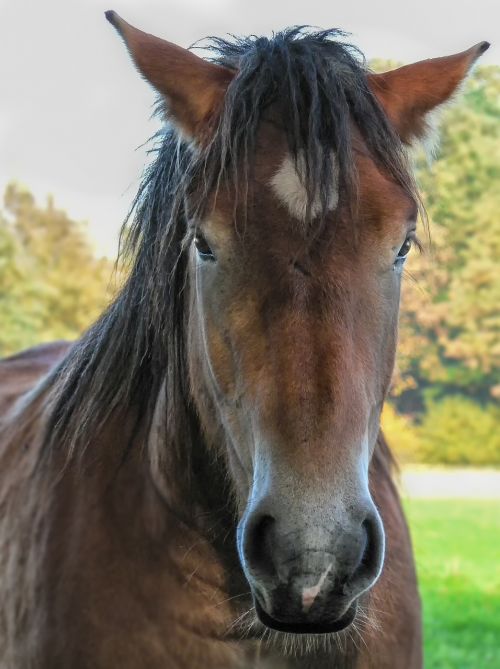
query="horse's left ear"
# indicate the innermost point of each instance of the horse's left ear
(193, 88)
(409, 93)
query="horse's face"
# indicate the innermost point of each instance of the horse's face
(292, 345)
(292, 336)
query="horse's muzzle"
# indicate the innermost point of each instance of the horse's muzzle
(307, 581)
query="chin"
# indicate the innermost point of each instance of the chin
(328, 625)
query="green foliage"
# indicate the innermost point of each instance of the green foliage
(453, 431)
(458, 431)
(51, 284)
(401, 434)
(456, 546)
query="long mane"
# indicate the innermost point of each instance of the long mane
(318, 85)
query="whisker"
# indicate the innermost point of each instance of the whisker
(229, 599)
(239, 620)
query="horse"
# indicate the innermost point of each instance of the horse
(200, 481)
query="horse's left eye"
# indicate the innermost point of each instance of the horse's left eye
(405, 249)
(203, 248)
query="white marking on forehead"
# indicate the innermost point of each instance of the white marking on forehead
(309, 595)
(290, 190)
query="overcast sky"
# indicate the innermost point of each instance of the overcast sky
(73, 111)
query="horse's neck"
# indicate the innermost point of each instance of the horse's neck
(110, 538)
(146, 483)
(170, 575)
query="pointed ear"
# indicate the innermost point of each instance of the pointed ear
(193, 88)
(409, 94)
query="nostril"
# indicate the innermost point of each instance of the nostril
(369, 544)
(258, 544)
(371, 555)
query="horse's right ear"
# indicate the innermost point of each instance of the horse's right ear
(193, 88)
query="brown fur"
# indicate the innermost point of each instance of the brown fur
(125, 582)
(118, 580)
(119, 550)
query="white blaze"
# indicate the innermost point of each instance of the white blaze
(289, 189)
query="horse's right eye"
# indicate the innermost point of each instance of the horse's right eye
(203, 248)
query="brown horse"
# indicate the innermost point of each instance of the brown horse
(200, 482)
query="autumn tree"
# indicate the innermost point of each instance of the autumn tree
(450, 317)
(52, 286)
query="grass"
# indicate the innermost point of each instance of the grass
(457, 544)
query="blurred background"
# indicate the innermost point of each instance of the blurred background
(74, 120)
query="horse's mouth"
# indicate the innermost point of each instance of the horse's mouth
(305, 627)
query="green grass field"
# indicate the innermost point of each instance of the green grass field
(457, 544)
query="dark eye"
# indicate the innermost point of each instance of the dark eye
(405, 249)
(204, 250)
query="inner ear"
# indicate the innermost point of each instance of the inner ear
(410, 93)
(193, 88)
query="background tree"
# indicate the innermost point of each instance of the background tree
(450, 318)
(52, 286)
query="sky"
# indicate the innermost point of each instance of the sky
(75, 115)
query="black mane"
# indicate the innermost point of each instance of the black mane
(319, 85)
